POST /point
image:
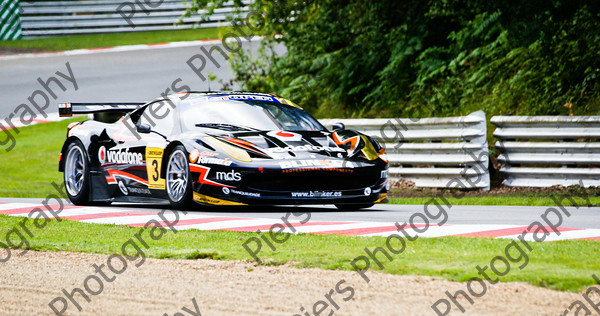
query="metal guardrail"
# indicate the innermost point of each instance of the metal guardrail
(542, 151)
(10, 20)
(51, 18)
(432, 152)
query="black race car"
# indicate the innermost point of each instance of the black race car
(217, 148)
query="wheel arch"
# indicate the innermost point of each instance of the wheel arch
(165, 157)
(63, 151)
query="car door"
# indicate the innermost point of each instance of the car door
(131, 159)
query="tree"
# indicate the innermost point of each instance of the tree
(422, 58)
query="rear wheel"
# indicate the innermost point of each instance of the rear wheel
(179, 182)
(353, 207)
(76, 174)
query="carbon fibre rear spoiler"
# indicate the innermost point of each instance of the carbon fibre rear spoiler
(68, 109)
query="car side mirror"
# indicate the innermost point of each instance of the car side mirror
(339, 126)
(144, 128)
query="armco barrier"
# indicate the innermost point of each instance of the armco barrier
(10, 20)
(431, 152)
(50, 18)
(542, 151)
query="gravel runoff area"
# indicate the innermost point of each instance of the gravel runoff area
(29, 282)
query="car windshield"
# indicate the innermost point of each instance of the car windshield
(224, 114)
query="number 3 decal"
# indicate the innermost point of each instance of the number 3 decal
(153, 161)
(155, 171)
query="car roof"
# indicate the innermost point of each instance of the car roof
(231, 96)
(203, 93)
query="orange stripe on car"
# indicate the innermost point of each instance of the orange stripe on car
(113, 172)
(352, 140)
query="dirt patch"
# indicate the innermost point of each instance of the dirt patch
(15, 51)
(406, 189)
(28, 283)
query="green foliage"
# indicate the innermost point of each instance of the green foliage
(427, 58)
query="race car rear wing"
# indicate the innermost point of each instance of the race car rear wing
(68, 109)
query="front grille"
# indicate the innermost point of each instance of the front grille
(312, 180)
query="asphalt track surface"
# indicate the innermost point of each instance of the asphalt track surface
(126, 76)
(583, 217)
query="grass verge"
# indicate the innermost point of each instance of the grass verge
(31, 166)
(60, 43)
(563, 265)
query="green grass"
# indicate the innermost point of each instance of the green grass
(30, 167)
(528, 199)
(563, 265)
(60, 43)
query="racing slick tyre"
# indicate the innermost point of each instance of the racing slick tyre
(179, 182)
(353, 207)
(76, 175)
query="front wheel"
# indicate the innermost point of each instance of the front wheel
(179, 182)
(76, 174)
(353, 207)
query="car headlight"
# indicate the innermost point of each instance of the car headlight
(234, 152)
(380, 151)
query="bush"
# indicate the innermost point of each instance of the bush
(437, 58)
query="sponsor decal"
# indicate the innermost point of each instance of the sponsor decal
(120, 156)
(243, 97)
(193, 156)
(285, 136)
(327, 163)
(226, 190)
(213, 201)
(214, 161)
(202, 178)
(283, 156)
(228, 176)
(340, 170)
(367, 191)
(153, 165)
(139, 190)
(251, 194)
(123, 188)
(384, 174)
(102, 155)
(317, 194)
(305, 148)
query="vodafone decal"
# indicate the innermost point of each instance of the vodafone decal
(102, 155)
(119, 156)
(286, 136)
